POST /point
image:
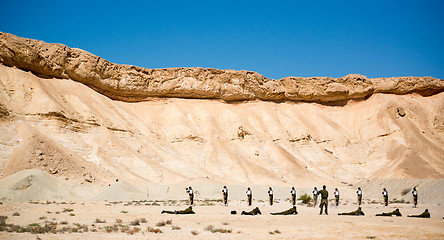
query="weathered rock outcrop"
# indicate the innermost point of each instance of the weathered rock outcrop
(131, 83)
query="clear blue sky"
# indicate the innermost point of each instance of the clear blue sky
(274, 38)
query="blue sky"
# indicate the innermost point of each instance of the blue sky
(274, 38)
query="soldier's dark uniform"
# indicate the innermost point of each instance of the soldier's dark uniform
(189, 210)
(396, 213)
(293, 195)
(270, 195)
(191, 194)
(252, 212)
(225, 193)
(249, 196)
(359, 193)
(287, 212)
(425, 214)
(386, 197)
(336, 197)
(315, 197)
(324, 199)
(415, 197)
(358, 212)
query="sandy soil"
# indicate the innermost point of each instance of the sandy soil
(306, 225)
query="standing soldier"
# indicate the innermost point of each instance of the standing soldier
(359, 192)
(315, 196)
(191, 194)
(293, 195)
(386, 197)
(270, 195)
(415, 197)
(249, 196)
(225, 193)
(336, 196)
(324, 199)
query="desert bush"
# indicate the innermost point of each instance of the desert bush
(132, 231)
(124, 228)
(42, 217)
(3, 220)
(305, 198)
(16, 214)
(194, 232)
(72, 214)
(119, 220)
(123, 211)
(98, 220)
(64, 222)
(135, 223)
(175, 228)
(163, 223)
(68, 210)
(212, 229)
(154, 230)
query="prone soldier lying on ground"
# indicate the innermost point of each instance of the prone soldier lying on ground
(255, 211)
(287, 212)
(396, 213)
(425, 214)
(358, 212)
(189, 210)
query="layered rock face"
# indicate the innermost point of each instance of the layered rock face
(131, 83)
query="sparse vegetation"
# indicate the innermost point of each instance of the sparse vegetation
(154, 230)
(119, 220)
(225, 223)
(68, 210)
(175, 228)
(72, 214)
(16, 214)
(305, 198)
(164, 223)
(194, 232)
(274, 232)
(123, 211)
(212, 229)
(42, 217)
(370, 237)
(98, 220)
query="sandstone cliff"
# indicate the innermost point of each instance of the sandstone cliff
(131, 83)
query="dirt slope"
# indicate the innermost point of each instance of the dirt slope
(51, 123)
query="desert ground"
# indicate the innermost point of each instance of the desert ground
(96, 150)
(212, 216)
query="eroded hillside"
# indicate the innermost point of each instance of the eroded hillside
(61, 110)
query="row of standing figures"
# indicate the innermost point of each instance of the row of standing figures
(316, 193)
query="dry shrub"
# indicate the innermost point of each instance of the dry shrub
(154, 230)
(212, 229)
(119, 220)
(132, 231)
(16, 214)
(194, 232)
(176, 228)
(3, 220)
(98, 220)
(163, 223)
(135, 223)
